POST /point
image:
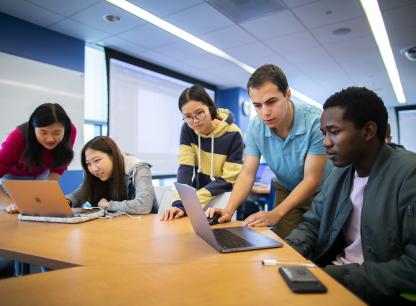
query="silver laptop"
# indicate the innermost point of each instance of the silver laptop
(224, 240)
(42, 200)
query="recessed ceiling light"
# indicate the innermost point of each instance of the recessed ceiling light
(341, 31)
(111, 18)
(410, 53)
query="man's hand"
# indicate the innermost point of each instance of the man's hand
(225, 215)
(262, 218)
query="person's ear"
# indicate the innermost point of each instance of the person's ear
(289, 93)
(370, 130)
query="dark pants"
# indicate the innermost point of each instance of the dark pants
(291, 221)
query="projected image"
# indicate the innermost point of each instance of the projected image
(144, 116)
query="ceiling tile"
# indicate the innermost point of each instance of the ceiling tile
(62, 7)
(29, 12)
(359, 28)
(402, 38)
(94, 17)
(208, 61)
(163, 8)
(295, 3)
(388, 4)
(308, 87)
(362, 46)
(156, 58)
(326, 12)
(149, 36)
(364, 68)
(302, 57)
(273, 25)
(121, 45)
(199, 19)
(298, 39)
(406, 67)
(402, 17)
(229, 37)
(298, 42)
(274, 59)
(250, 52)
(180, 50)
(77, 30)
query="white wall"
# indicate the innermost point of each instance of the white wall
(393, 124)
(25, 84)
(407, 124)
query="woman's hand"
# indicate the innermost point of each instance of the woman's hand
(103, 203)
(172, 213)
(11, 209)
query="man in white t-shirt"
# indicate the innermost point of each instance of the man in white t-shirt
(362, 226)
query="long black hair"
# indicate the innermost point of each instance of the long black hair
(44, 115)
(114, 188)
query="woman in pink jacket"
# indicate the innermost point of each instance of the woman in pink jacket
(38, 149)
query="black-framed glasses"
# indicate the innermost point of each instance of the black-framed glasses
(199, 115)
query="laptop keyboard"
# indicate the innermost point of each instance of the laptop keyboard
(229, 240)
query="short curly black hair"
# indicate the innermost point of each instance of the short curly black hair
(361, 105)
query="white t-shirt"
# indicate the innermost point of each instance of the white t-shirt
(353, 253)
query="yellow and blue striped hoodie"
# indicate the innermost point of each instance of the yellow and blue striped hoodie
(210, 163)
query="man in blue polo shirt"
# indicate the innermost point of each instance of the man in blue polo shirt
(287, 134)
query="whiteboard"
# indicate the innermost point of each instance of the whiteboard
(25, 84)
(407, 123)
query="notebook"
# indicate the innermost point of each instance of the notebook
(224, 240)
(41, 200)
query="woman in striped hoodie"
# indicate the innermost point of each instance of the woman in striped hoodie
(211, 149)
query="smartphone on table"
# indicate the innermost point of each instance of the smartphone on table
(301, 280)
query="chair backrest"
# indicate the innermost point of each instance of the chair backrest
(219, 201)
(165, 196)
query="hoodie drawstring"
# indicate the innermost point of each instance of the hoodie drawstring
(211, 174)
(199, 154)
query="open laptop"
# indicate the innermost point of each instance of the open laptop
(224, 240)
(42, 200)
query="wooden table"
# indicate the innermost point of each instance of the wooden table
(144, 261)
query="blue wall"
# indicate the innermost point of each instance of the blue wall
(70, 180)
(24, 39)
(233, 99)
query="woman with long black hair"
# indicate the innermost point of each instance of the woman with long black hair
(113, 180)
(38, 149)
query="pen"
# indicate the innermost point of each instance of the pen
(274, 262)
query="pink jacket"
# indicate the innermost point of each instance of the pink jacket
(11, 151)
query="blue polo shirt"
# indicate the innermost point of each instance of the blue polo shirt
(287, 157)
